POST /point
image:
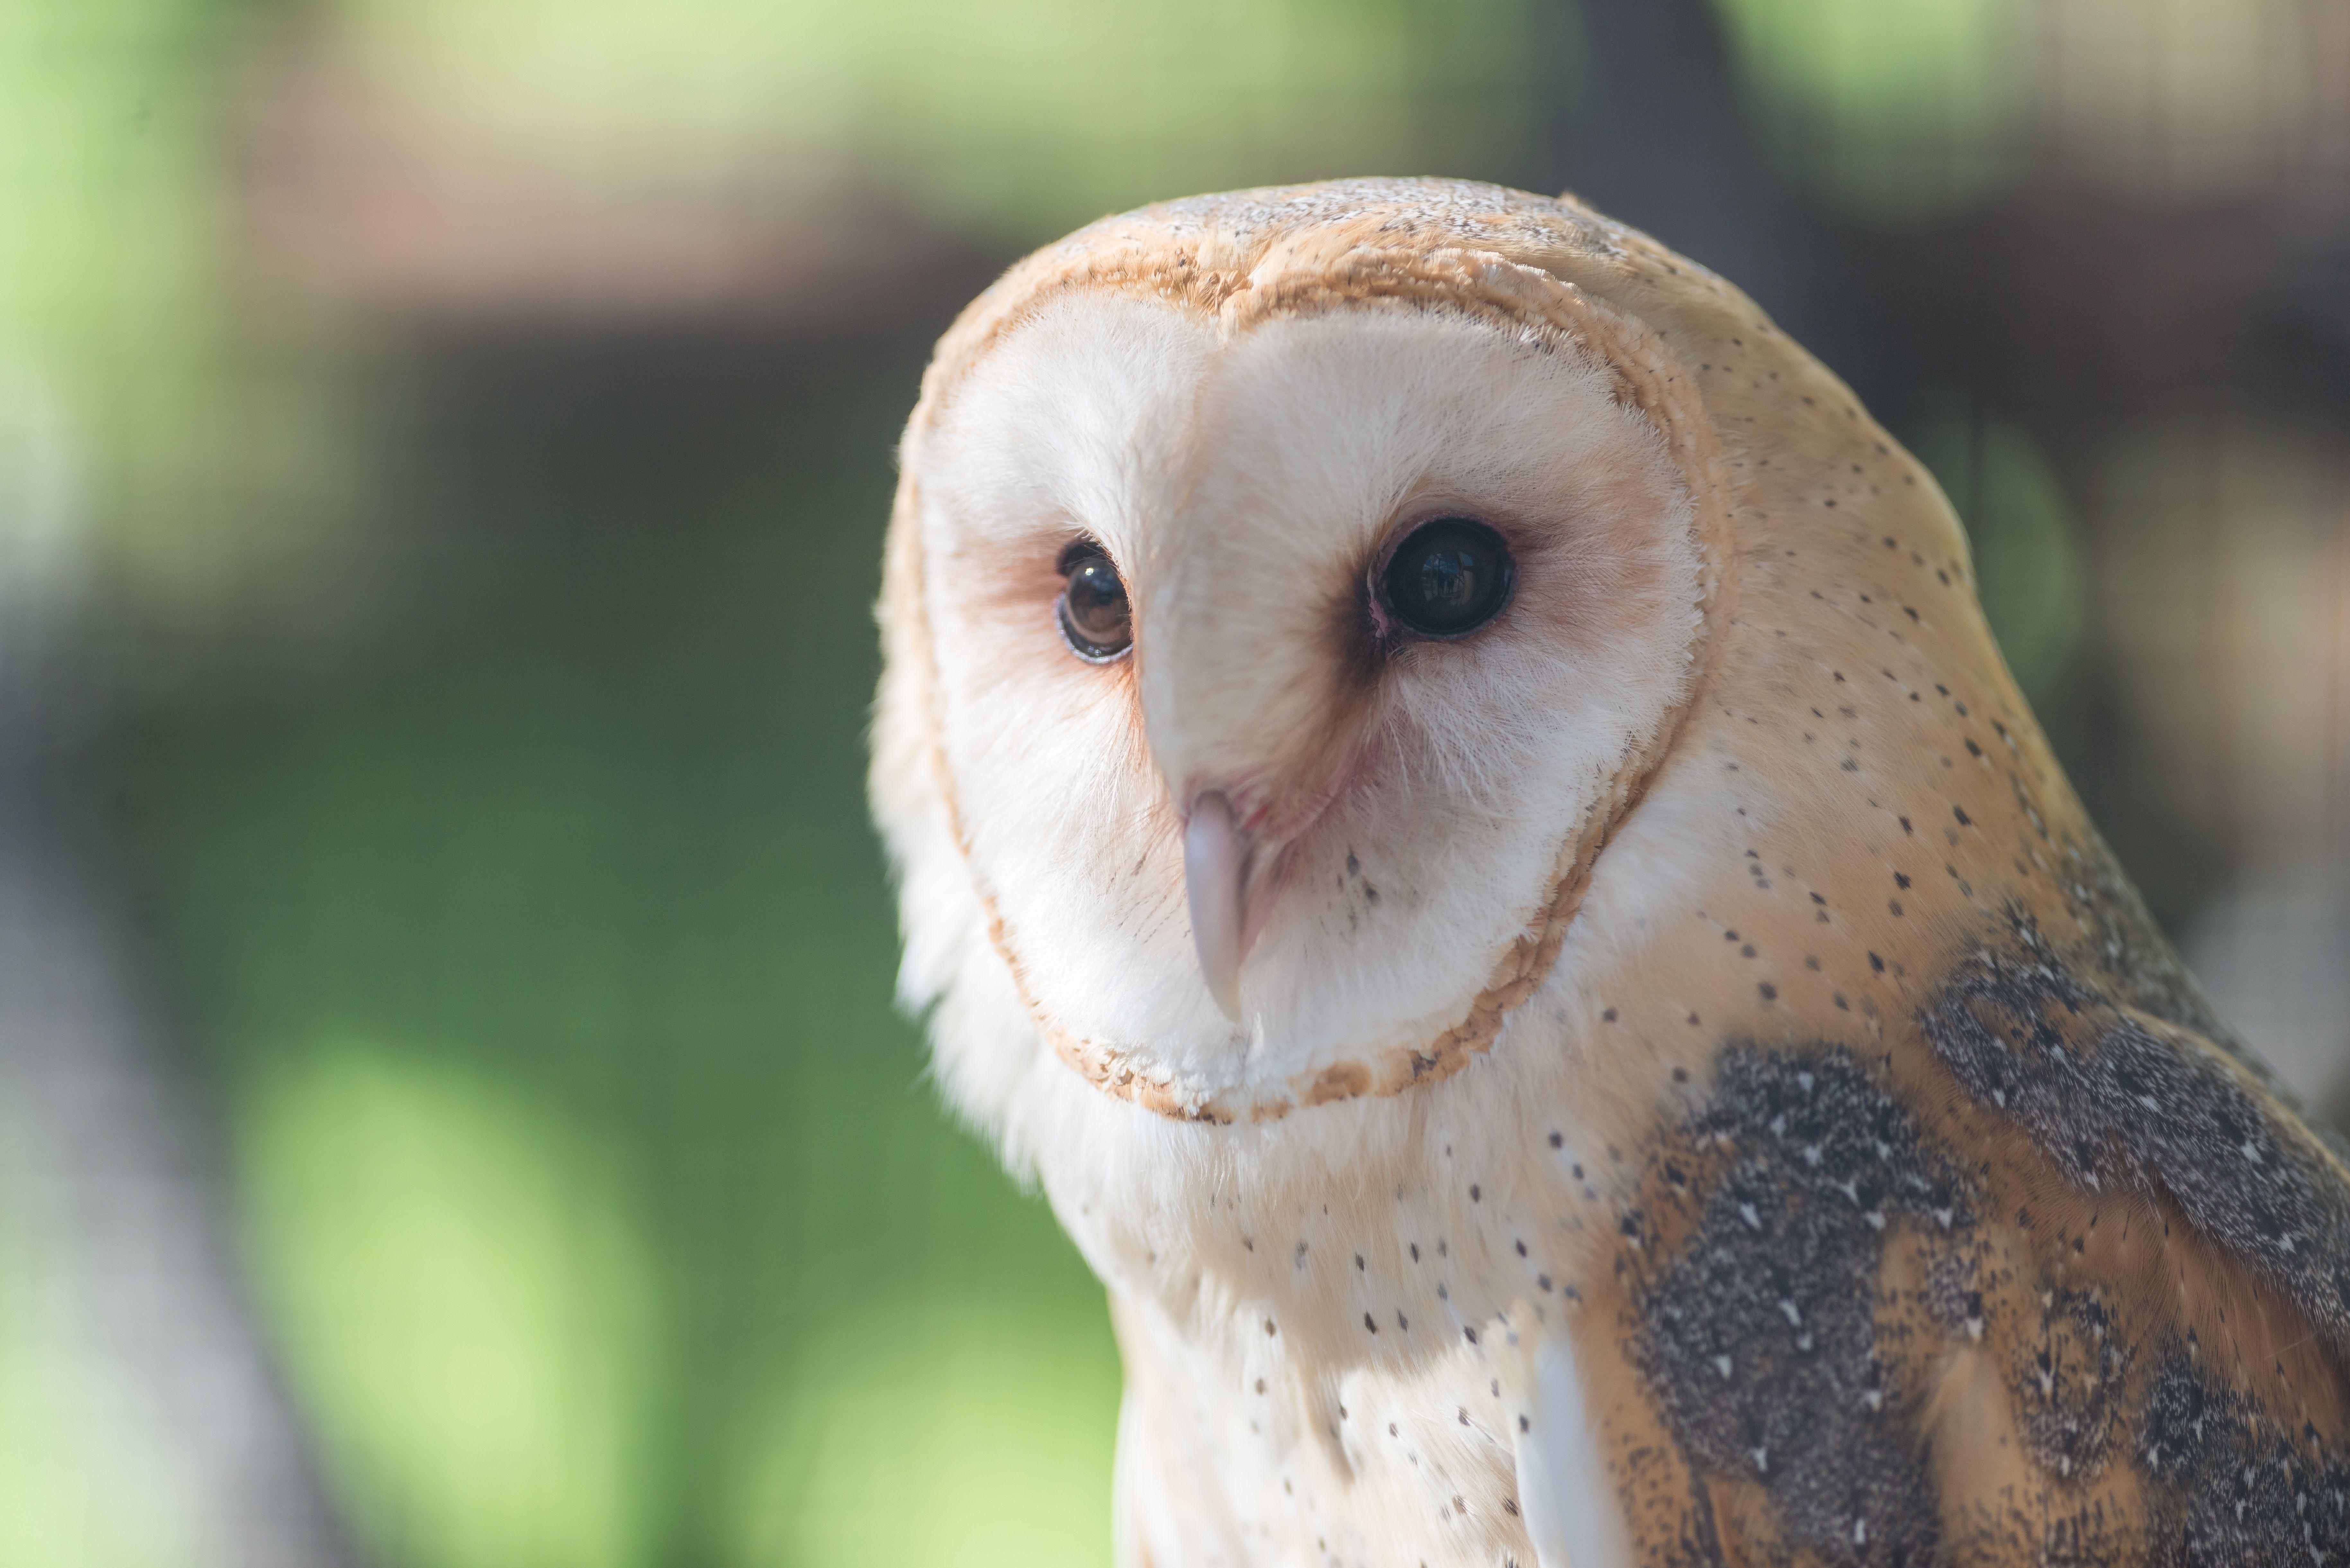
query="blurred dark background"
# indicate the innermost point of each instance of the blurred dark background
(452, 1114)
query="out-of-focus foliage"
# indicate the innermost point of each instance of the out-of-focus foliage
(206, 454)
(1014, 120)
(76, 1488)
(2260, 679)
(977, 1405)
(114, 185)
(2195, 97)
(1940, 63)
(469, 1295)
(1892, 110)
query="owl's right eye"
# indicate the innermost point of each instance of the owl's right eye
(1448, 577)
(1095, 616)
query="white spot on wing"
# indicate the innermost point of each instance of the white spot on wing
(1571, 1512)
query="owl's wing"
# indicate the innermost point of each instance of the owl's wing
(2058, 1278)
(1571, 1510)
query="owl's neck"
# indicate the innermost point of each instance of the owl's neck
(1375, 1229)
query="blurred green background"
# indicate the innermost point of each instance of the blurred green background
(443, 450)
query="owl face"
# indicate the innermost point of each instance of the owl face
(1281, 662)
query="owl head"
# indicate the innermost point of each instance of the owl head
(1289, 595)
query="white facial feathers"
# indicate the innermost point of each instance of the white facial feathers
(1401, 804)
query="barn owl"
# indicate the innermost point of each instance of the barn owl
(1454, 805)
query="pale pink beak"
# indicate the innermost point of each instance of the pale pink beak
(1215, 873)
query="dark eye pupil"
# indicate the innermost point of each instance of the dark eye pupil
(1095, 616)
(1448, 580)
(1450, 576)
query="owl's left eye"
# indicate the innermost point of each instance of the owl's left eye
(1095, 616)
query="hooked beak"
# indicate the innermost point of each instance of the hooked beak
(1216, 857)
